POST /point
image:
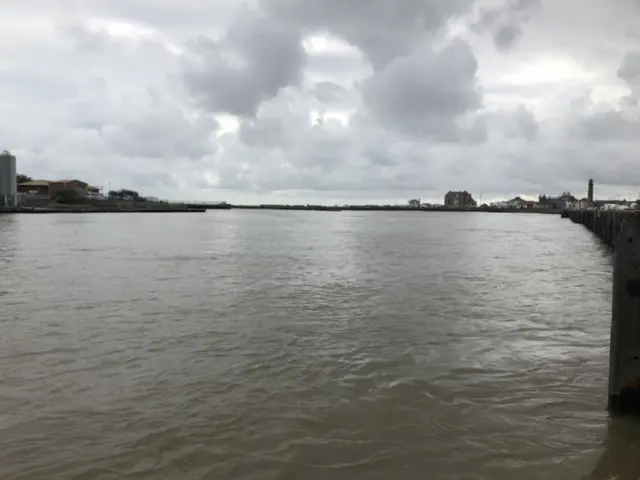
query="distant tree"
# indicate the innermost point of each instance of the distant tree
(125, 193)
(23, 178)
(68, 196)
(130, 193)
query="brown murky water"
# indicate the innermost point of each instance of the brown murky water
(287, 345)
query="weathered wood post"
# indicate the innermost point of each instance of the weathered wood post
(609, 229)
(624, 354)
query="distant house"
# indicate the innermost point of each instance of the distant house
(561, 202)
(459, 199)
(51, 188)
(95, 193)
(585, 204)
(517, 202)
(35, 187)
(605, 203)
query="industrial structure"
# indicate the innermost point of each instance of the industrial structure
(8, 180)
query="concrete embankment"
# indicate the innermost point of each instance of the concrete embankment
(605, 224)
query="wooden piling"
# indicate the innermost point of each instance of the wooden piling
(624, 355)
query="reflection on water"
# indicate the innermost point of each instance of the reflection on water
(621, 458)
(285, 345)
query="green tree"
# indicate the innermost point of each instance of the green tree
(68, 197)
(23, 178)
(125, 193)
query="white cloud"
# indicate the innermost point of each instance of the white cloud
(324, 101)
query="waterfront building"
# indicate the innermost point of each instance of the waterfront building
(561, 202)
(516, 202)
(459, 199)
(51, 188)
(585, 204)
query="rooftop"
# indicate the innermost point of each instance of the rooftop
(69, 181)
(37, 183)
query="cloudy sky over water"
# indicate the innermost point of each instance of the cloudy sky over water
(324, 100)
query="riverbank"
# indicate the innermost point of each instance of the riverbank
(36, 210)
(184, 208)
(390, 208)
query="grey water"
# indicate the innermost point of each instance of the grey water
(306, 345)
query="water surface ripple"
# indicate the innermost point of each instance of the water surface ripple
(295, 345)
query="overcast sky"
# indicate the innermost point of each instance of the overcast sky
(326, 101)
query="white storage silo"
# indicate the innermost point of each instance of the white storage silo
(8, 180)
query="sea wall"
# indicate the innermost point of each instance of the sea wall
(605, 224)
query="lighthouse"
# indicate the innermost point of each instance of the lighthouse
(590, 191)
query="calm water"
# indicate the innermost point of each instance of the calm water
(292, 345)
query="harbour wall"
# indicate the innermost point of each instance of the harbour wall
(605, 224)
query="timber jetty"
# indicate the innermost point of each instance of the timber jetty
(605, 224)
(620, 229)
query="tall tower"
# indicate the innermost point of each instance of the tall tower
(590, 191)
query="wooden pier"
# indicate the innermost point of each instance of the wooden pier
(621, 231)
(605, 224)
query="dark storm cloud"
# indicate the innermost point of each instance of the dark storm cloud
(381, 29)
(506, 36)
(424, 92)
(505, 21)
(256, 58)
(629, 71)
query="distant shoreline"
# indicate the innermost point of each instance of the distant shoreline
(37, 211)
(197, 207)
(383, 208)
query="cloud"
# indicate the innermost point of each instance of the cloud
(504, 21)
(629, 71)
(506, 36)
(256, 58)
(328, 92)
(425, 92)
(378, 28)
(307, 101)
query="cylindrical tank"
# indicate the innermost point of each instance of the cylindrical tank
(8, 180)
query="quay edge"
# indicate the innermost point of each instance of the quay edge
(605, 224)
(620, 229)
